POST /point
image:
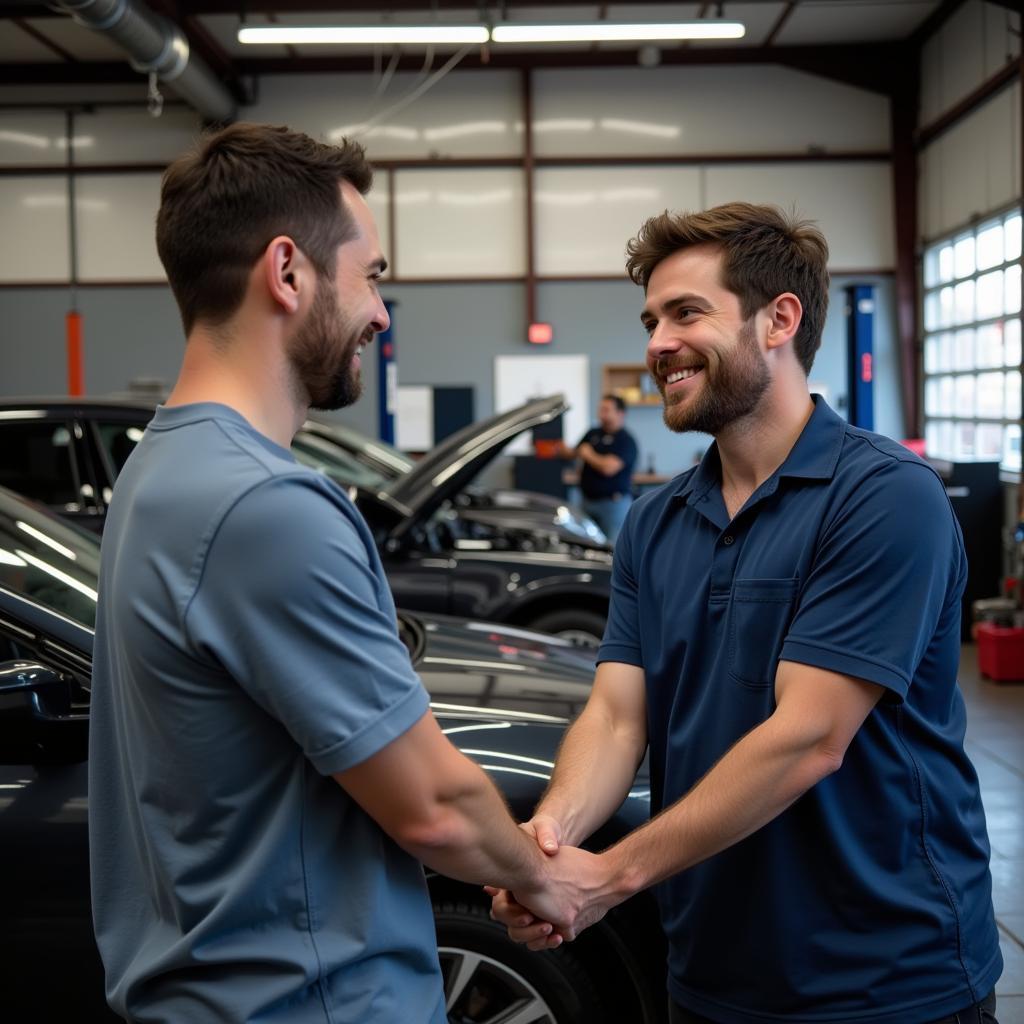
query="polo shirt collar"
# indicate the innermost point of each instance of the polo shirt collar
(813, 457)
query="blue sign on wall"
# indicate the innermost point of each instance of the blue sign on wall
(860, 344)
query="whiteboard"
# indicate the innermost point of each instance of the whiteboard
(517, 379)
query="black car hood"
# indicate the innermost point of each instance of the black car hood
(448, 467)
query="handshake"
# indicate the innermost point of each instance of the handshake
(573, 889)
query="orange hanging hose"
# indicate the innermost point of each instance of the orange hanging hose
(73, 324)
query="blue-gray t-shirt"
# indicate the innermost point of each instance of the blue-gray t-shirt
(870, 899)
(246, 649)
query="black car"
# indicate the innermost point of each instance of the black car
(503, 696)
(525, 566)
(496, 506)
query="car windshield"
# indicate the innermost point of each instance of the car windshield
(341, 467)
(377, 455)
(48, 561)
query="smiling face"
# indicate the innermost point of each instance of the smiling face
(704, 356)
(346, 312)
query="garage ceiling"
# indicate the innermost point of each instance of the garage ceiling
(858, 41)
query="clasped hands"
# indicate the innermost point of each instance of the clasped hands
(576, 892)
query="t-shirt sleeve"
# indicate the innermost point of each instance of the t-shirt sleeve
(888, 565)
(295, 608)
(622, 633)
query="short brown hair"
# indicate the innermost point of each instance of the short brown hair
(223, 201)
(765, 252)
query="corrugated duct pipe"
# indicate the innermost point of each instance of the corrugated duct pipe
(156, 45)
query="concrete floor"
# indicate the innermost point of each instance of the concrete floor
(995, 743)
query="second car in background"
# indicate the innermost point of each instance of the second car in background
(529, 566)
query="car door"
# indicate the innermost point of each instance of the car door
(42, 457)
(52, 968)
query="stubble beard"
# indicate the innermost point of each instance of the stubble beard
(732, 389)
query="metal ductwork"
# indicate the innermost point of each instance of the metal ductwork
(156, 46)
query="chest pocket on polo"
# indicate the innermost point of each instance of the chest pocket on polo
(760, 613)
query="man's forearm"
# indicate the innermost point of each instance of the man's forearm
(594, 769)
(471, 837)
(606, 465)
(762, 775)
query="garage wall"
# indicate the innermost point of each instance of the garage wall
(460, 225)
(974, 168)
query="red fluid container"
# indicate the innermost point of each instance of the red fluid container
(1000, 651)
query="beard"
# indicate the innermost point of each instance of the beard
(734, 384)
(322, 351)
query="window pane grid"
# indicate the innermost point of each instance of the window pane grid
(972, 343)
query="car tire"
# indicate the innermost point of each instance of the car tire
(580, 626)
(488, 977)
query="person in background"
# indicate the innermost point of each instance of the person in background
(265, 773)
(608, 452)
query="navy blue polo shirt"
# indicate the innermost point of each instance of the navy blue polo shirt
(596, 485)
(870, 899)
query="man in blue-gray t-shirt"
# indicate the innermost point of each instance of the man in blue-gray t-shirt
(783, 640)
(264, 767)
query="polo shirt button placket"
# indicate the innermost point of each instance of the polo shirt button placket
(728, 539)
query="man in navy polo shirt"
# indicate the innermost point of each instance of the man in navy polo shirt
(608, 452)
(784, 640)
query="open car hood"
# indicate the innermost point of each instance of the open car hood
(457, 460)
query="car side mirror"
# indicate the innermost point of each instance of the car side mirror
(38, 723)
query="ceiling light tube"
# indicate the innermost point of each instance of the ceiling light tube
(362, 35)
(603, 31)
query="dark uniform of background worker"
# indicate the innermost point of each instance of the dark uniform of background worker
(609, 453)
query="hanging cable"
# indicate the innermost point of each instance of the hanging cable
(154, 97)
(416, 93)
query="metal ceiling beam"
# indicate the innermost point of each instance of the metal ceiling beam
(45, 40)
(780, 23)
(935, 21)
(369, 7)
(871, 66)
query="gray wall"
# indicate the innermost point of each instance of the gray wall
(447, 334)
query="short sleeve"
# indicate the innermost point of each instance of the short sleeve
(888, 566)
(622, 633)
(293, 604)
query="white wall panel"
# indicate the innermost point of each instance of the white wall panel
(675, 110)
(35, 138)
(34, 214)
(585, 215)
(459, 223)
(131, 136)
(377, 200)
(850, 203)
(976, 42)
(467, 113)
(974, 168)
(117, 226)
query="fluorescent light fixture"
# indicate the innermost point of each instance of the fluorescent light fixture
(609, 32)
(363, 35)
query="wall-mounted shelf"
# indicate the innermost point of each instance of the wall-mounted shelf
(631, 382)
